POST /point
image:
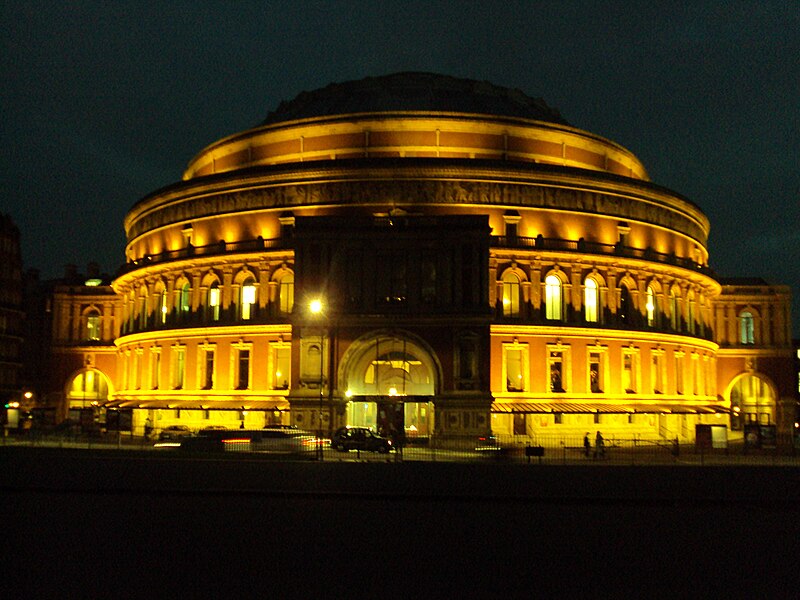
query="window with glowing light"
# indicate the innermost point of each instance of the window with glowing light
(746, 328)
(214, 301)
(185, 301)
(248, 299)
(163, 308)
(650, 306)
(515, 360)
(553, 298)
(93, 326)
(591, 301)
(511, 293)
(281, 360)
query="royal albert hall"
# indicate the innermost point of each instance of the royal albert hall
(433, 255)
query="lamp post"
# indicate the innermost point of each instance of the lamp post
(315, 308)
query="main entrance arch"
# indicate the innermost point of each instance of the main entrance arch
(752, 401)
(389, 380)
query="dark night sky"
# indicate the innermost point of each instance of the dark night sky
(104, 102)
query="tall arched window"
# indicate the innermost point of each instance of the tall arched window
(185, 301)
(650, 306)
(591, 301)
(142, 309)
(213, 301)
(746, 328)
(248, 298)
(553, 298)
(286, 293)
(674, 315)
(93, 325)
(510, 294)
(162, 307)
(624, 312)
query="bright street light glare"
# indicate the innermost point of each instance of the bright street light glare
(315, 306)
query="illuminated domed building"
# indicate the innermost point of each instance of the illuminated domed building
(441, 256)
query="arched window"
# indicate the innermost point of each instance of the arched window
(746, 328)
(93, 325)
(214, 301)
(591, 301)
(510, 294)
(674, 314)
(163, 308)
(650, 306)
(248, 298)
(624, 312)
(142, 310)
(286, 293)
(185, 300)
(553, 298)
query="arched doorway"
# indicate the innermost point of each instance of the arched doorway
(86, 392)
(389, 380)
(752, 401)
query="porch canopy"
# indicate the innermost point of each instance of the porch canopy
(265, 405)
(605, 408)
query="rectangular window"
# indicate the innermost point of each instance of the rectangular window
(206, 364)
(630, 370)
(178, 367)
(281, 360)
(596, 373)
(555, 364)
(155, 367)
(242, 369)
(428, 277)
(93, 333)
(390, 284)
(696, 374)
(657, 371)
(515, 363)
(679, 372)
(137, 368)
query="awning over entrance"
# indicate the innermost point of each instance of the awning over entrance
(265, 405)
(607, 408)
(397, 398)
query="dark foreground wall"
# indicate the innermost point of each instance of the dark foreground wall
(99, 524)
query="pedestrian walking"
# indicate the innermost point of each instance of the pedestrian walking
(599, 446)
(587, 445)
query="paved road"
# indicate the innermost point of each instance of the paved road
(113, 524)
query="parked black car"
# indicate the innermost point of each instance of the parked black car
(360, 438)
